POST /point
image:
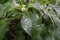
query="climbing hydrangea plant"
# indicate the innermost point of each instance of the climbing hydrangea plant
(30, 19)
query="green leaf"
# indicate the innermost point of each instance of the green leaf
(3, 28)
(48, 1)
(3, 1)
(19, 33)
(5, 8)
(52, 1)
(31, 24)
(35, 5)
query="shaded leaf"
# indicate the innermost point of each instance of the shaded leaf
(3, 28)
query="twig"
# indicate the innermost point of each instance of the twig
(12, 34)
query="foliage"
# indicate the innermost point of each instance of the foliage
(40, 19)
